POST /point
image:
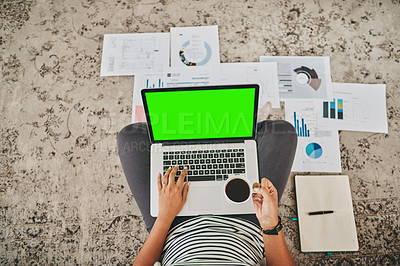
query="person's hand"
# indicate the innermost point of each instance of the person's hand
(265, 200)
(171, 196)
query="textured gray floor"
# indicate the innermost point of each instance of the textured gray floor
(63, 196)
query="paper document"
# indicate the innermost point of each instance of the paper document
(302, 77)
(318, 139)
(171, 77)
(130, 54)
(194, 46)
(336, 229)
(189, 77)
(357, 107)
(263, 74)
(149, 80)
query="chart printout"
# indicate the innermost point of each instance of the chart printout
(317, 139)
(131, 54)
(357, 107)
(224, 74)
(303, 77)
(194, 46)
(171, 77)
(263, 74)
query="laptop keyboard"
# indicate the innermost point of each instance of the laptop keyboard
(206, 165)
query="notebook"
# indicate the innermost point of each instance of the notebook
(325, 214)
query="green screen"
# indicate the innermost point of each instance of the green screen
(201, 114)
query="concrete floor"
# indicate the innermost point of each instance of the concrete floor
(63, 195)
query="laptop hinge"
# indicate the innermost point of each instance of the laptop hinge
(169, 143)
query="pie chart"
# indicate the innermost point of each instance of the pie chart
(314, 150)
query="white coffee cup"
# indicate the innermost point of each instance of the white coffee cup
(237, 190)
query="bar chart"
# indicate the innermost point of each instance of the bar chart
(154, 83)
(340, 109)
(300, 126)
(329, 109)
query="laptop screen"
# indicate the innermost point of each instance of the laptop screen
(201, 113)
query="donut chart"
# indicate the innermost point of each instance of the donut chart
(203, 62)
(314, 150)
(305, 75)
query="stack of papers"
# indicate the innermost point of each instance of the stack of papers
(264, 74)
(195, 61)
(316, 107)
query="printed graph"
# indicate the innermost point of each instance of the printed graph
(156, 83)
(340, 108)
(329, 109)
(300, 126)
(314, 150)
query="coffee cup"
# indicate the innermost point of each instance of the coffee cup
(237, 190)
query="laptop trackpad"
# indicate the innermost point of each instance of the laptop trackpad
(205, 198)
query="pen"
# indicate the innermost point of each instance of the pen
(319, 212)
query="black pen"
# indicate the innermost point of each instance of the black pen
(320, 212)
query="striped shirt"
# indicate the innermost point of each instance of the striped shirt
(213, 240)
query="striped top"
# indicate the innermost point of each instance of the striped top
(213, 240)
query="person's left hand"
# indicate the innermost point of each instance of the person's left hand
(171, 196)
(265, 200)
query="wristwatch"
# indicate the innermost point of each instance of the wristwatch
(275, 230)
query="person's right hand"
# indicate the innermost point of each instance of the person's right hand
(171, 196)
(265, 201)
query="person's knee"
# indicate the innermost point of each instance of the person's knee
(289, 133)
(133, 138)
(285, 127)
(277, 127)
(135, 128)
(132, 131)
(133, 146)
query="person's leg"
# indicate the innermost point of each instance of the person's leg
(134, 152)
(276, 146)
(276, 143)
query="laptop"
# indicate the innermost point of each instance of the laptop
(209, 129)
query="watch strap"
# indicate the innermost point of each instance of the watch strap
(275, 230)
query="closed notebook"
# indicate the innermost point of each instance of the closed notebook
(332, 231)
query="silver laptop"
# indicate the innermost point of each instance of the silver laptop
(211, 130)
